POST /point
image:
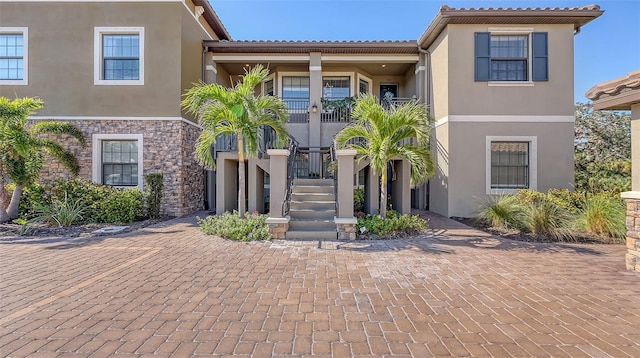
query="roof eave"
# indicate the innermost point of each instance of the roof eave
(401, 47)
(213, 20)
(446, 15)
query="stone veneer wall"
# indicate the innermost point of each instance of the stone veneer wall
(168, 147)
(633, 235)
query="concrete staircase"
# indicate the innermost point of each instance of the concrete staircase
(313, 208)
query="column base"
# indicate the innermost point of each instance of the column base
(346, 228)
(632, 258)
(278, 227)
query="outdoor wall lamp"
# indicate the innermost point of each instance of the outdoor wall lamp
(314, 108)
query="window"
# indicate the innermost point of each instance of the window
(511, 164)
(334, 88)
(510, 57)
(13, 55)
(363, 87)
(117, 159)
(295, 93)
(268, 88)
(120, 162)
(119, 56)
(509, 54)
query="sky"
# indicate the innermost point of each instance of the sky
(606, 48)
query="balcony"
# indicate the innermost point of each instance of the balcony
(298, 110)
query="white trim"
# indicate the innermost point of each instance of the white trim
(505, 118)
(345, 221)
(378, 58)
(280, 75)
(315, 68)
(262, 58)
(533, 162)
(196, 16)
(25, 55)
(352, 91)
(284, 220)
(359, 77)
(109, 118)
(510, 84)
(270, 77)
(630, 194)
(441, 121)
(96, 156)
(419, 69)
(97, 55)
(211, 68)
(510, 30)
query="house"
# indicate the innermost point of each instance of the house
(498, 82)
(624, 94)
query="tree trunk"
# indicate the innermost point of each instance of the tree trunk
(4, 196)
(383, 193)
(241, 193)
(12, 210)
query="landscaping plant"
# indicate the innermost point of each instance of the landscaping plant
(546, 218)
(61, 213)
(603, 215)
(394, 224)
(23, 148)
(153, 185)
(382, 135)
(504, 211)
(232, 226)
(238, 112)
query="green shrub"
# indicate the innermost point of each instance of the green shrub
(105, 204)
(60, 213)
(394, 224)
(506, 211)
(120, 206)
(153, 185)
(603, 215)
(546, 218)
(32, 196)
(231, 226)
(358, 200)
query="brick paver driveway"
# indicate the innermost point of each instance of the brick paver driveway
(171, 291)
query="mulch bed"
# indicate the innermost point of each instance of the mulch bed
(76, 230)
(513, 234)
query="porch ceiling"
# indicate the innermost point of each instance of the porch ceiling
(374, 69)
(305, 47)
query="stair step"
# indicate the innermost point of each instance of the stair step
(313, 197)
(313, 205)
(313, 182)
(303, 189)
(301, 225)
(312, 214)
(308, 234)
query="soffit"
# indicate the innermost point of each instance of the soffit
(578, 16)
(305, 47)
(213, 20)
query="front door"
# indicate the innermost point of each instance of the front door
(388, 91)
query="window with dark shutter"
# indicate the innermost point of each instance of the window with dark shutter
(507, 57)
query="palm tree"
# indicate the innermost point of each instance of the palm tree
(239, 112)
(22, 148)
(382, 135)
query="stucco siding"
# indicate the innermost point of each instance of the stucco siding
(439, 185)
(467, 159)
(439, 76)
(553, 97)
(61, 57)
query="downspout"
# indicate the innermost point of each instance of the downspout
(427, 76)
(577, 30)
(204, 66)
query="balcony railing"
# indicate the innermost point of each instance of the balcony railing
(395, 101)
(229, 143)
(298, 110)
(337, 110)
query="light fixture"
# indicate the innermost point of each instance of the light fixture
(314, 108)
(384, 65)
(246, 65)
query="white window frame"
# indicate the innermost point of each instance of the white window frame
(97, 55)
(271, 77)
(352, 86)
(25, 54)
(526, 31)
(97, 139)
(359, 77)
(533, 162)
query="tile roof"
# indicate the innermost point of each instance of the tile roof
(578, 16)
(615, 87)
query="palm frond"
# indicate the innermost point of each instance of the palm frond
(54, 127)
(64, 156)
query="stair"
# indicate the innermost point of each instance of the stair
(313, 208)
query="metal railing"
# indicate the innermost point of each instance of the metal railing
(313, 164)
(298, 110)
(332, 151)
(336, 110)
(395, 101)
(229, 142)
(293, 151)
